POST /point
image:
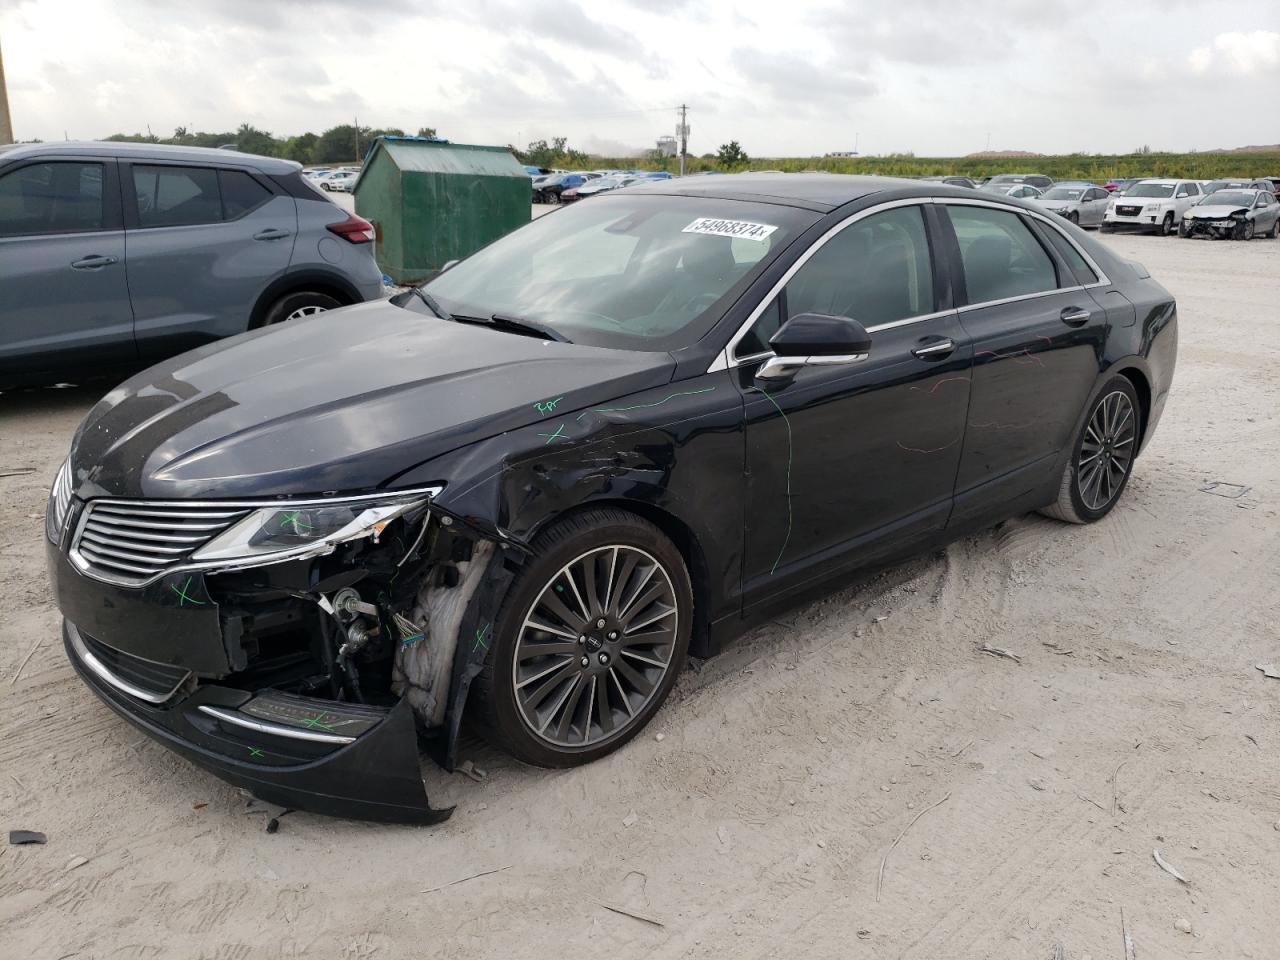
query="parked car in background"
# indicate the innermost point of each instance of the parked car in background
(1121, 185)
(1085, 204)
(535, 172)
(657, 175)
(342, 182)
(525, 492)
(1038, 180)
(952, 181)
(550, 189)
(1155, 206)
(1275, 184)
(599, 185)
(1238, 214)
(114, 255)
(1019, 191)
(1213, 186)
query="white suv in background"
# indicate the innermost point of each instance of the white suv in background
(1154, 205)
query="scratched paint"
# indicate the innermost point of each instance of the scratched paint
(929, 450)
(934, 388)
(1023, 356)
(787, 423)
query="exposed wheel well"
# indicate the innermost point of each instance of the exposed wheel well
(690, 549)
(1143, 389)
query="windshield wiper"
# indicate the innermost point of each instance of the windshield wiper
(517, 325)
(432, 303)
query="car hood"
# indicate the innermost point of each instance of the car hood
(1214, 211)
(345, 401)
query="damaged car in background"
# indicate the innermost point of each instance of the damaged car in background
(1233, 215)
(523, 493)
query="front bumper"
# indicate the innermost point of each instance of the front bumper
(1224, 228)
(371, 774)
(1145, 221)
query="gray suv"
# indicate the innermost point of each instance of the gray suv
(116, 255)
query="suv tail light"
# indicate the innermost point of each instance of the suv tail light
(353, 229)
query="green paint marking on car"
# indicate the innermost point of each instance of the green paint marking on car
(183, 596)
(558, 435)
(645, 406)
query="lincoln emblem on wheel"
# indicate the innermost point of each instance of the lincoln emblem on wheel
(519, 497)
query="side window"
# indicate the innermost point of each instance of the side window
(240, 193)
(1066, 249)
(876, 271)
(1001, 257)
(51, 198)
(1193, 189)
(176, 196)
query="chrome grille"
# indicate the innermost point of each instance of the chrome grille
(133, 542)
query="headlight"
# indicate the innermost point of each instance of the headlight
(55, 514)
(310, 528)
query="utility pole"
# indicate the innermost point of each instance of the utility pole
(357, 128)
(6, 122)
(683, 133)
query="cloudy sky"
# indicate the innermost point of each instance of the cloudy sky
(937, 77)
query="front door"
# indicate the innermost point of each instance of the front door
(203, 245)
(847, 462)
(1037, 337)
(64, 303)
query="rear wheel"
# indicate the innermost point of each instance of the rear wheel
(588, 641)
(1275, 230)
(1102, 459)
(298, 305)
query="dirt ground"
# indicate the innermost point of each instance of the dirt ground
(755, 816)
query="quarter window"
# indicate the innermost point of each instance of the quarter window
(1001, 257)
(876, 270)
(1066, 249)
(240, 193)
(51, 198)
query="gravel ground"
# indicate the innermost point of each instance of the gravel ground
(754, 817)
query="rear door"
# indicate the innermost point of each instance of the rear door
(203, 243)
(1037, 336)
(64, 302)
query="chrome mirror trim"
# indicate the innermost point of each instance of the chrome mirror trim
(779, 368)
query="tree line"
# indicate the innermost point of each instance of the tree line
(345, 143)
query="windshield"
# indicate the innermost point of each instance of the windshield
(1062, 193)
(1217, 185)
(641, 272)
(1150, 190)
(1231, 198)
(1007, 178)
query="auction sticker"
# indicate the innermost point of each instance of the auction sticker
(742, 229)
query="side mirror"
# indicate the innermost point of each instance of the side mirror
(813, 339)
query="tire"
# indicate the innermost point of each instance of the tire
(1074, 218)
(1247, 230)
(1105, 227)
(325, 187)
(560, 690)
(1083, 502)
(296, 305)
(1183, 231)
(1166, 225)
(1275, 230)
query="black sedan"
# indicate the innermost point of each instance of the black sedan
(525, 492)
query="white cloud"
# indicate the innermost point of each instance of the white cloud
(1243, 54)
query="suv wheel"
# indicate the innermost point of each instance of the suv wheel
(296, 306)
(1166, 225)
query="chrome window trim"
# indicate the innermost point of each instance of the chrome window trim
(85, 568)
(725, 359)
(103, 672)
(238, 719)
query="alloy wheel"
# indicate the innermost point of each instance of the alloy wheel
(308, 311)
(1106, 450)
(595, 646)
(1248, 230)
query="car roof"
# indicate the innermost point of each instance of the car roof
(1164, 181)
(821, 192)
(149, 151)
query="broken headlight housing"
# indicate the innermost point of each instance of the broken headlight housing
(292, 530)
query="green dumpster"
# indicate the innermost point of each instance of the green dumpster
(432, 201)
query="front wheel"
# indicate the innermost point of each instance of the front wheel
(1246, 230)
(1183, 230)
(1102, 458)
(1105, 227)
(1166, 225)
(1074, 218)
(589, 640)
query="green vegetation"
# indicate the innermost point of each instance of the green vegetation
(731, 156)
(1075, 166)
(335, 145)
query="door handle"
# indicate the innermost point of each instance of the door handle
(1075, 316)
(271, 233)
(92, 262)
(934, 351)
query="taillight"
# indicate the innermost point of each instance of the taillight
(353, 229)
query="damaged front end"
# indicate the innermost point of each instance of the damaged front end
(293, 648)
(1230, 227)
